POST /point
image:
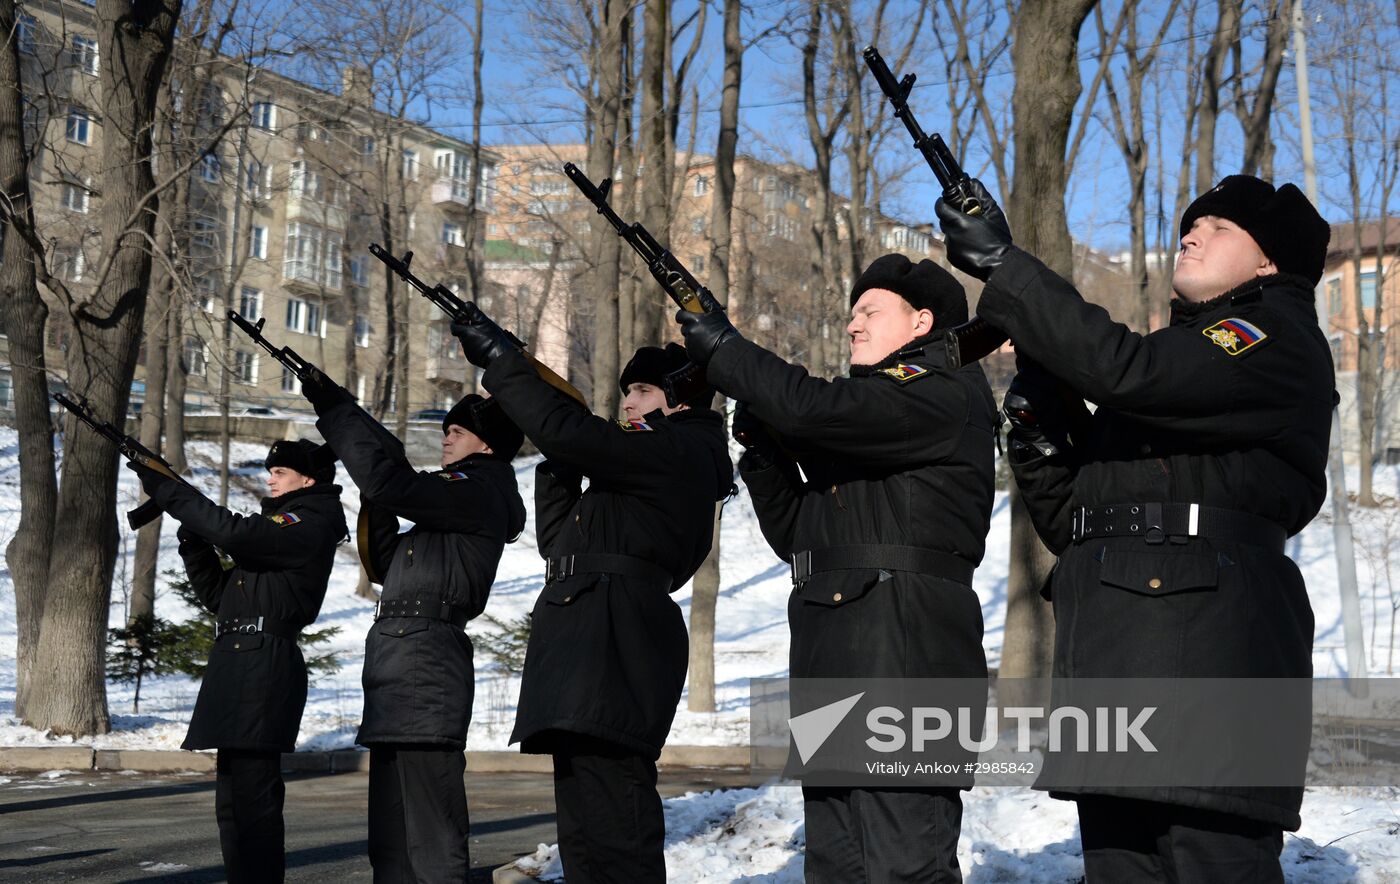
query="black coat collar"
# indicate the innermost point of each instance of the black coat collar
(1288, 284)
(282, 502)
(924, 349)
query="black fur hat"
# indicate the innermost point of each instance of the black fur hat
(304, 456)
(670, 369)
(486, 419)
(925, 285)
(1287, 227)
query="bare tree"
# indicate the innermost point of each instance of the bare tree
(68, 691)
(23, 316)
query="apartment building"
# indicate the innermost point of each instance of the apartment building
(280, 212)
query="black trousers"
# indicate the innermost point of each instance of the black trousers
(248, 796)
(609, 815)
(882, 836)
(418, 823)
(1127, 841)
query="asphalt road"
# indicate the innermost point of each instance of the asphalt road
(108, 827)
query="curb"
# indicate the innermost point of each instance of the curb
(42, 758)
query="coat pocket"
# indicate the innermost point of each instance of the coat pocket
(1159, 574)
(398, 627)
(566, 592)
(835, 588)
(238, 644)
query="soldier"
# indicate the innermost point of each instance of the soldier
(884, 525)
(418, 676)
(607, 655)
(1215, 431)
(250, 703)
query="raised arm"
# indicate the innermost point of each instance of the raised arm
(250, 540)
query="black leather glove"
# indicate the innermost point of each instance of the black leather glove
(185, 535)
(703, 333)
(482, 339)
(750, 432)
(977, 244)
(322, 392)
(150, 479)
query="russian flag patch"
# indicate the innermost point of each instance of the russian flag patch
(1235, 336)
(634, 426)
(452, 475)
(282, 520)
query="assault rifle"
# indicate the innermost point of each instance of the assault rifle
(468, 313)
(678, 282)
(129, 448)
(303, 371)
(975, 338)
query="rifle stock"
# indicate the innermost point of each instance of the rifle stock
(468, 313)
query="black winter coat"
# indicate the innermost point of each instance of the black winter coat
(418, 676)
(254, 690)
(1185, 415)
(608, 653)
(894, 457)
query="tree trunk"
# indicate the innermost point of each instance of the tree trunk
(69, 688)
(705, 589)
(23, 315)
(1227, 33)
(656, 161)
(176, 383)
(1047, 85)
(606, 62)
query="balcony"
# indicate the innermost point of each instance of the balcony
(310, 278)
(447, 368)
(315, 212)
(452, 191)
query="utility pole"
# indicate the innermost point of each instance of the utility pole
(1336, 468)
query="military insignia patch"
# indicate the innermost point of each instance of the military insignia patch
(904, 372)
(451, 475)
(282, 520)
(634, 426)
(1235, 336)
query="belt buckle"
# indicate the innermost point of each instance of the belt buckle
(1079, 517)
(564, 568)
(801, 567)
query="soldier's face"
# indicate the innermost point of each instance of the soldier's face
(1216, 255)
(642, 399)
(881, 323)
(459, 442)
(282, 480)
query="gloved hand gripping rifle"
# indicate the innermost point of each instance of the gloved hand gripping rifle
(975, 338)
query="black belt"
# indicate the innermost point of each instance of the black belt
(887, 557)
(559, 567)
(1177, 522)
(433, 609)
(255, 625)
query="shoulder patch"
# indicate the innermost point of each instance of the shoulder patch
(283, 520)
(904, 372)
(1235, 336)
(452, 475)
(634, 426)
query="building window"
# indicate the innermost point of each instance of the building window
(259, 180)
(698, 264)
(209, 167)
(257, 243)
(312, 254)
(207, 292)
(264, 116)
(1368, 290)
(82, 54)
(196, 357)
(68, 263)
(410, 165)
(203, 231)
(308, 131)
(250, 303)
(290, 383)
(366, 145)
(27, 29)
(315, 320)
(79, 129)
(697, 225)
(359, 270)
(245, 367)
(75, 197)
(296, 315)
(7, 397)
(361, 330)
(1334, 296)
(452, 234)
(702, 185)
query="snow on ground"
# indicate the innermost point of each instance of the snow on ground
(753, 835)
